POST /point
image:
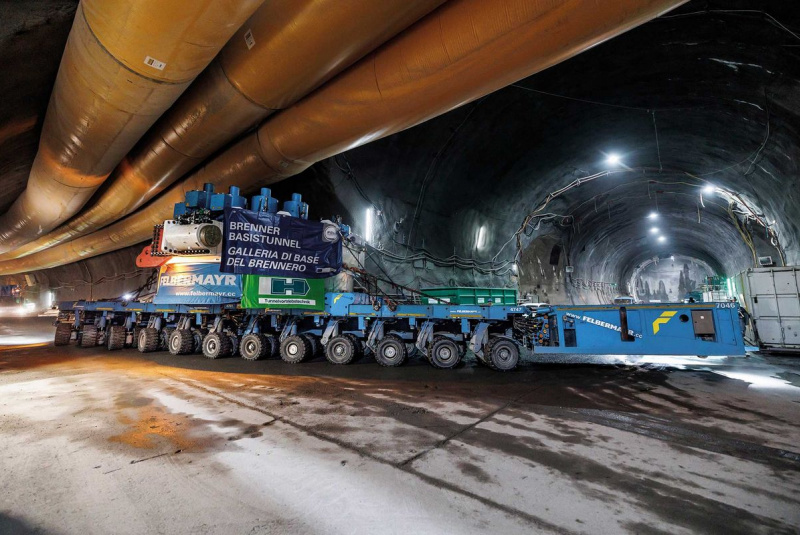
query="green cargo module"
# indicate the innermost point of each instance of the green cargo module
(470, 296)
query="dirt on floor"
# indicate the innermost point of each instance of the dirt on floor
(97, 441)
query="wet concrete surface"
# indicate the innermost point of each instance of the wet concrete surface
(100, 442)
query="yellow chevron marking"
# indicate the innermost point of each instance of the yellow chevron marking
(662, 320)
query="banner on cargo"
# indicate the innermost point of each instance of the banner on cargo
(195, 284)
(282, 292)
(260, 243)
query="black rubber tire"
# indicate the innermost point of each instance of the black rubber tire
(316, 345)
(444, 353)
(89, 336)
(197, 340)
(217, 345)
(357, 343)
(501, 354)
(295, 349)
(115, 338)
(340, 350)
(273, 347)
(234, 345)
(135, 339)
(180, 342)
(163, 342)
(148, 341)
(254, 346)
(63, 334)
(391, 352)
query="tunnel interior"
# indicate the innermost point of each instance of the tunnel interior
(675, 140)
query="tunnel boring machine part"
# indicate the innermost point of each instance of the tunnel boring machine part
(460, 52)
(121, 69)
(286, 49)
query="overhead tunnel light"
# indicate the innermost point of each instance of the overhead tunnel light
(613, 159)
(709, 189)
(368, 226)
(480, 240)
(653, 215)
(654, 230)
(662, 239)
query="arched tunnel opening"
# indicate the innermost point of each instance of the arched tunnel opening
(490, 265)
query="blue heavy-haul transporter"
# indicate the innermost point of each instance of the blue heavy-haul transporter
(352, 324)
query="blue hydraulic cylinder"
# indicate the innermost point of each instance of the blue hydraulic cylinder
(232, 199)
(264, 202)
(296, 207)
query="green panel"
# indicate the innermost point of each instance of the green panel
(282, 292)
(472, 296)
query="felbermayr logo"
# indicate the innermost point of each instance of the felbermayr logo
(282, 286)
(197, 280)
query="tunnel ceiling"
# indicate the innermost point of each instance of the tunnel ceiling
(708, 94)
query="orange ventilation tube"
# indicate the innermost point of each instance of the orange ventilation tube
(283, 52)
(462, 51)
(123, 65)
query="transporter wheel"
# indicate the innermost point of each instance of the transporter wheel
(391, 351)
(115, 339)
(135, 339)
(254, 346)
(501, 354)
(444, 353)
(272, 345)
(234, 345)
(340, 350)
(63, 334)
(164, 335)
(295, 349)
(89, 336)
(197, 340)
(181, 342)
(148, 340)
(316, 345)
(217, 345)
(357, 344)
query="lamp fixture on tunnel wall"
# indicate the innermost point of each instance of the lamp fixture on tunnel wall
(709, 189)
(653, 215)
(613, 159)
(368, 225)
(662, 239)
(654, 230)
(127, 297)
(480, 240)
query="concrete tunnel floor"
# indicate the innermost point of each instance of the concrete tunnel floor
(121, 442)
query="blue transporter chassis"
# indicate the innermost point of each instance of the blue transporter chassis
(354, 324)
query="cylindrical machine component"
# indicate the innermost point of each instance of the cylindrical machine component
(123, 65)
(190, 239)
(285, 50)
(461, 52)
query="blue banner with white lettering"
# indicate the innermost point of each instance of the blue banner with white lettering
(260, 243)
(196, 284)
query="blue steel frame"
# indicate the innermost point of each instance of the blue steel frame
(657, 329)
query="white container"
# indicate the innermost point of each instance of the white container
(772, 298)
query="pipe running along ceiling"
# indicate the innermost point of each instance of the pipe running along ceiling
(462, 51)
(284, 51)
(121, 69)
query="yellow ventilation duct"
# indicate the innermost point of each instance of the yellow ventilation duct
(462, 51)
(284, 51)
(124, 64)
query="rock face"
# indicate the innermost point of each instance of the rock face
(706, 95)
